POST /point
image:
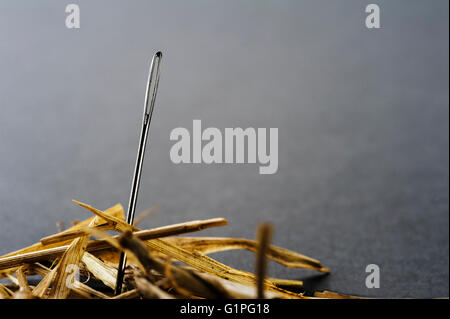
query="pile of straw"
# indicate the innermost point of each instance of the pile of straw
(160, 264)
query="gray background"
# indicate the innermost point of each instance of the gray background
(362, 116)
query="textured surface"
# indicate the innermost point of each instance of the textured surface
(362, 116)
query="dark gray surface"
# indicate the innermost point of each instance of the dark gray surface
(362, 116)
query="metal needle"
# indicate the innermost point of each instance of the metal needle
(152, 82)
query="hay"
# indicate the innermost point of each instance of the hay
(160, 265)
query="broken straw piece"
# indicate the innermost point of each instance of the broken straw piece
(208, 245)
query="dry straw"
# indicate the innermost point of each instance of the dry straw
(161, 264)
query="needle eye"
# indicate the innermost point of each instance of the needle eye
(152, 83)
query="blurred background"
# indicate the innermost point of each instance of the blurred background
(363, 118)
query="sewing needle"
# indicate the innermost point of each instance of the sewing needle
(152, 82)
